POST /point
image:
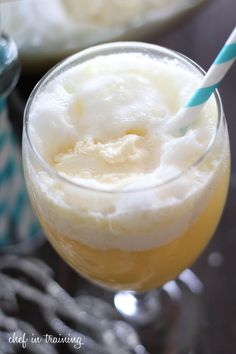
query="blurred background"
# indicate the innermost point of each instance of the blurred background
(196, 28)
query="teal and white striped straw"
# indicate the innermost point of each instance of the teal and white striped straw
(212, 79)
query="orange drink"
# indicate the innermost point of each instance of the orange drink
(123, 201)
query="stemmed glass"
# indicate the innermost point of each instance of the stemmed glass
(134, 270)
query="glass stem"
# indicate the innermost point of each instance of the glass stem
(140, 308)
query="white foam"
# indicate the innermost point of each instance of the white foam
(102, 125)
(61, 25)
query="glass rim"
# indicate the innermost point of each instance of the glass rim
(87, 54)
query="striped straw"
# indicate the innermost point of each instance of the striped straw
(214, 76)
(18, 224)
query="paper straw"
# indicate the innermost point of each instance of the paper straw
(225, 59)
(18, 224)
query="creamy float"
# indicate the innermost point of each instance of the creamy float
(126, 182)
